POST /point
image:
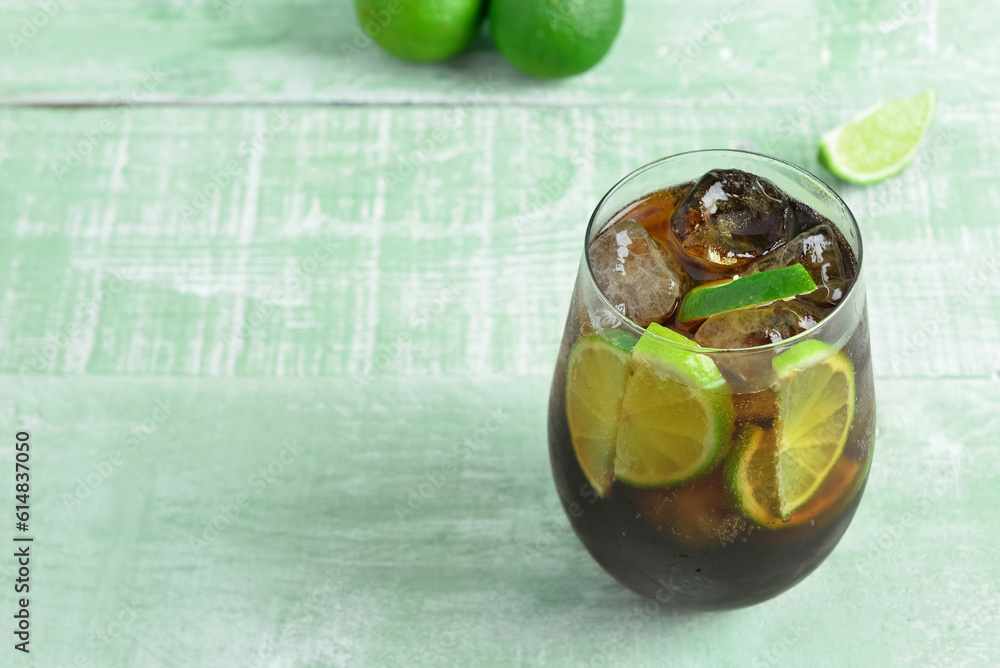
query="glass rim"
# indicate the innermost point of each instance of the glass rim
(790, 341)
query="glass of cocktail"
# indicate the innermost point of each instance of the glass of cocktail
(712, 414)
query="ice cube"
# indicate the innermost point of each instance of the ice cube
(728, 220)
(758, 326)
(639, 277)
(817, 250)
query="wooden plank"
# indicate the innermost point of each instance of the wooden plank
(213, 542)
(719, 53)
(349, 227)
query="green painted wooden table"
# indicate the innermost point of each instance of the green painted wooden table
(259, 283)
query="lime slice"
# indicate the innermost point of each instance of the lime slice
(771, 474)
(751, 483)
(815, 409)
(597, 369)
(751, 476)
(753, 290)
(676, 415)
(879, 142)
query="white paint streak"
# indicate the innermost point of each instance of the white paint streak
(80, 347)
(481, 332)
(251, 193)
(196, 349)
(247, 224)
(366, 321)
(121, 157)
(931, 36)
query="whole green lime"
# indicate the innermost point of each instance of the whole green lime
(555, 38)
(421, 30)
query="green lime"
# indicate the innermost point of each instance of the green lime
(753, 290)
(555, 38)
(597, 369)
(772, 474)
(421, 30)
(751, 476)
(879, 142)
(676, 413)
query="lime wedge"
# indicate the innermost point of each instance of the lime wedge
(597, 369)
(879, 142)
(772, 474)
(753, 290)
(676, 414)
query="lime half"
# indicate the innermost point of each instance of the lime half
(676, 413)
(879, 142)
(815, 409)
(597, 369)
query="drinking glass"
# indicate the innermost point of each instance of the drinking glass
(702, 543)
